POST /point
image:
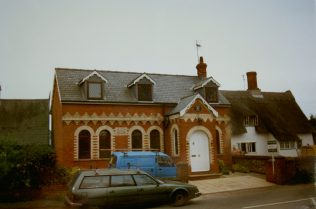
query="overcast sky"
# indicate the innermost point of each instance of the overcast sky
(275, 38)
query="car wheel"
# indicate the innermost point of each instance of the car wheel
(179, 198)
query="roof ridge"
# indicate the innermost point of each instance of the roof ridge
(117, 71)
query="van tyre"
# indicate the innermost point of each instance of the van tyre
(179, 198)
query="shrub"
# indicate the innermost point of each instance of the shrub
(240, 168)
(223, 168)
(27, 167)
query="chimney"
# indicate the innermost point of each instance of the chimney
(252, 80)
(201, 69)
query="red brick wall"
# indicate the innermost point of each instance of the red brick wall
(64, 133)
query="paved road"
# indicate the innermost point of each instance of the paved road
(275, 197)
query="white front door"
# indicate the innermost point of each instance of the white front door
(199, 152)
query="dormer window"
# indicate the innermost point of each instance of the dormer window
(93, 86)
(144, 92)
(94, 90)
(251, 120)
(143, 87)
(211, 94)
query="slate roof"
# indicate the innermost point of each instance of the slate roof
(24, 121)
(278, 113)
(168, 88)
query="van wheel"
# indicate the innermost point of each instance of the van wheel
(179, 198)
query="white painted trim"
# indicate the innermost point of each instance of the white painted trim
(198, 96)
(92, 74)
(144, 75)
(206, 82)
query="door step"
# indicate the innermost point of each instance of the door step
(204, 176)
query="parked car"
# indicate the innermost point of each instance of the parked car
(157, 164)
(111, 187)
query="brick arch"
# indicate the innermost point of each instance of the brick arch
(221, 142)
(76, 140)
(161, 135)
(144, 135)
(210, 140)
(97, 133)
(173, 140)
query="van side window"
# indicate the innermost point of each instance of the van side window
(91, 182)
(122, 180)
(144, 180)
(164, 161)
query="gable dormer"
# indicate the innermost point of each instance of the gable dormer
(93, 86)
(208, 88)
(143, 87)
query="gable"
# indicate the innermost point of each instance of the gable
(194, 103)
(94, 76)
(143, 79)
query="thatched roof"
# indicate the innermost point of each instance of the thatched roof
(24, 121)
(278, 113)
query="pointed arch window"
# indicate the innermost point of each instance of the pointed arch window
(175, 139)
(137, 140)
(155, 140)
(84, 144)
(104, 144)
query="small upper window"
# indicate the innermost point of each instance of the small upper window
(95, 90)
(211, 94)
(251, 120)
(144, 92)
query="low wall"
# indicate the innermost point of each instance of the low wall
(284, 171)
(253, 163)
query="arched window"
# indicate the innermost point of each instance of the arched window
(104, 144)
(218, 143)
(137, 140)
(175, 142)
(155, 140)
(84, 145)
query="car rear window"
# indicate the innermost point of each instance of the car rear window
(90, 182)
(144, 180)
(122, 180)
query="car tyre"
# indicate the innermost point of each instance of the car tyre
(179, 198)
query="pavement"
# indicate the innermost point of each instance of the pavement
(232, 182)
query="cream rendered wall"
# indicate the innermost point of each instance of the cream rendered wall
(261, 143)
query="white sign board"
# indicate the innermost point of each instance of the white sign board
(272, 146)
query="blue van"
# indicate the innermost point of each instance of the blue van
(157, 164)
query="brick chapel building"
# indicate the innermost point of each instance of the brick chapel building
(97, 112)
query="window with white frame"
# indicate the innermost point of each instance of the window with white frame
(247, 147)
(104, 144)
(287, 145)
(95, 90)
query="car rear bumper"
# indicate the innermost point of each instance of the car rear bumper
(70, 203)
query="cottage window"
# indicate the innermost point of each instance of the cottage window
(95, 90)
(175, 139)
(144, 92)
(251, 120)
(155, 140)
(247, 147)
(84, 145)
(104, 144)
(284, 145)
(137, 140)
(211, 94)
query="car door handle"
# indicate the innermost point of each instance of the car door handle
(111, 192)
(140, 190)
